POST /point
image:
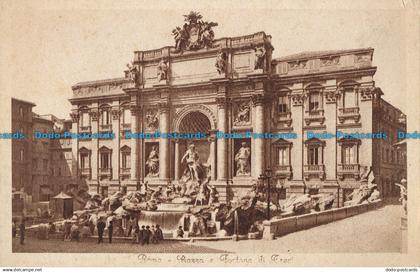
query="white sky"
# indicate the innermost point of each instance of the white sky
(52, 49)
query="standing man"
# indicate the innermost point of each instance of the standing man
(22, 230)
(142, 235)
(158, 233)
(110, 230)
(100, 226)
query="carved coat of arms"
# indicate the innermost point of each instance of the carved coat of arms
(194, 34)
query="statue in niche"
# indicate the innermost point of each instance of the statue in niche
(192, 159)
(242, 115)
(162, 70)
(152, 162)
(242, 160)
(152, 121)
(259, 57)
(221, 62)
(132, 72)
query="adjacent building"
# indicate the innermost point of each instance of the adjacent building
(41, 167)
(235, 86)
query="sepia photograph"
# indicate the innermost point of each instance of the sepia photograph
(213, 133)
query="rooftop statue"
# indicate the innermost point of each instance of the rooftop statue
(194, 34)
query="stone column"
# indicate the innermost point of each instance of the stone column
(164, 143)
(177, 160)
(94, 116)
(115, 160)
(221, 142)
(135, 144)
(212, 155)
(75, 144)
(258, 103)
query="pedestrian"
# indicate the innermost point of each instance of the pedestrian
(100, 226)
(22, 231)
(142, 234)
(153, 239)
(136, 234)
(110, 230)
(131, 225)
(67, 230)
(159, 234)
(179, 232)
(14, 231)
(148, 235)
(75, 232)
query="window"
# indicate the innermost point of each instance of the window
(348, 154)
(34, 164)
(85, 119)
(22, 155)
(314, 100)
(105, 118)
(59, 171)
(126, 160)
(21, 112)
(313, 155)
(392, 156)
(126, 116)
(84, 160)
(283, 104)
(349, 97)
(283, 156)
(105, 158)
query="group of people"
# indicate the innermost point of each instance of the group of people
(143, 235)
(147, 234)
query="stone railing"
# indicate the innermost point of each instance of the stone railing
(84, 129)
(85, 172)
(124, 171)
(105, 128)
(278, 227)
(314, 171)
(105, 172)
(348, 111)
(348, 170)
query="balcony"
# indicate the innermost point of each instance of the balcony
(283, 171)
(125, 127)
(85, 129)
(314, 171)
(105, 128)
(285, 118)
(85, 172)
(105, 173)
(348, 171)
(348, 114)
(125, 172)
(316, 116)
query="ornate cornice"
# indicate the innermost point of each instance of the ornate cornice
(75, 117)
(258, 100)
(297, 99)
(115, 114)
(94, 114)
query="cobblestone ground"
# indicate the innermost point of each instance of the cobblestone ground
(374, 231)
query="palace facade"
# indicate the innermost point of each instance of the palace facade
(234, 85)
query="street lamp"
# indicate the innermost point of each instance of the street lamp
(266, 177)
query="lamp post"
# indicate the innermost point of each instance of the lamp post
(266, 177)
